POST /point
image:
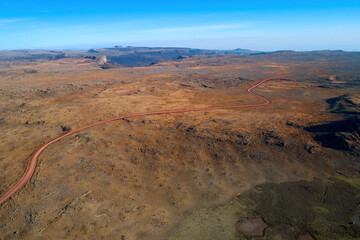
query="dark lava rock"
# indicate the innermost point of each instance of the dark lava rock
(190, 130)
(310, 148)
(65, 128)
(44, 93)
(243, 138)
(272, 139)
(292, 124)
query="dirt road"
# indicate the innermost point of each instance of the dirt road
(32, 163)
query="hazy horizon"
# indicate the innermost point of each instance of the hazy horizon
(86, 48)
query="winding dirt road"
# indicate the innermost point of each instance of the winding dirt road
(32, 163)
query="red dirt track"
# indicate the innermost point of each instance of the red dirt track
(33, 161)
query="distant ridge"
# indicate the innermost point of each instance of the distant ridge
(145, 56)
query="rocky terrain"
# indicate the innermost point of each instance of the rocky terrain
(288, 170)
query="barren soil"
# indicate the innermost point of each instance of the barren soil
(147, 177)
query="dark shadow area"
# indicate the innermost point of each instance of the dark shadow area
(343, 104)
(347, 125)
(339, 135)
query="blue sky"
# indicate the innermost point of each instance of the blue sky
(256, 24)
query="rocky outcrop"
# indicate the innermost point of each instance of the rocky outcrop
(101, 60)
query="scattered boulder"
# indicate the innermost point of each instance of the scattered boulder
(251, 227)
(44, 92)
(292, 124)
(244, 138)
(65, 128)
(311, 148)
(82, 137)
(272, 139)
(190, 130)
(90, 57)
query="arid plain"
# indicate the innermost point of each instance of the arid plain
(183, 175)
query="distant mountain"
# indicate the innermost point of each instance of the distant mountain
(145, 56)
(126, 56)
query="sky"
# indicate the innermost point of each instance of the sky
(256, 24)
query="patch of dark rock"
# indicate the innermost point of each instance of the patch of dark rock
(271, 138)
(292, 124)
(44, 93)
(42, 122)
(221, 140)
(185, 85)
(243, 139)
(65, 128)
(341, 173)
(190, 130)
(324, 86)
(2, 121)
(82, 137)
(310, 148)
